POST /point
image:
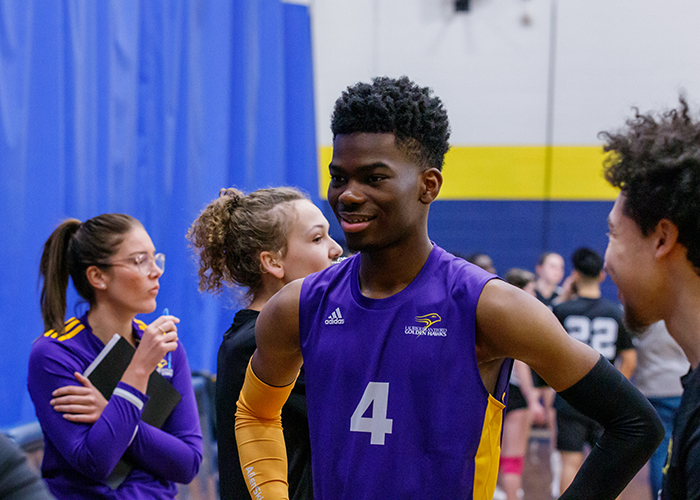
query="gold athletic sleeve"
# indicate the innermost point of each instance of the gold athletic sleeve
(260, 440)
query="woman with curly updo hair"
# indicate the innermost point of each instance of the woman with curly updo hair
(258, 242)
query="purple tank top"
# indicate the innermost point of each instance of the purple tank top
(397, 408)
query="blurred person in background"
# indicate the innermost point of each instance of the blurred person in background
(550, 272)
(483, 261)
(596, 321)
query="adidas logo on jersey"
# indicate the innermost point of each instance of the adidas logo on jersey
(336, 318)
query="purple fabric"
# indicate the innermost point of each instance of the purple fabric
(421, 342)
(78, 458)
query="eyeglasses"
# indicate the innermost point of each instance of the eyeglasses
(143, 262)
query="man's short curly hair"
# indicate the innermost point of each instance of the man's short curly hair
(400, 107)
(655, 161)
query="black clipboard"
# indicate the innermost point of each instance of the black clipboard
(106, 371)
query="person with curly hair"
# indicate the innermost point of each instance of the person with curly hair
(258, 242)
(407, 348)
(653, 256)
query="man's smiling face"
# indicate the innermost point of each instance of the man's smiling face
(375, 191)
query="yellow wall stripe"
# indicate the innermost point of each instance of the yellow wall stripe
(325, 154)
(513, 173)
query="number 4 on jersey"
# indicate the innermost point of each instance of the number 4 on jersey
(377, 395)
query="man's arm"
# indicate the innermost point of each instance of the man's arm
(277, 359)
(510, 323)
(270, 378)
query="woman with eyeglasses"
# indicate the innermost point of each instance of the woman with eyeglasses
(113, 265)
(258, 243)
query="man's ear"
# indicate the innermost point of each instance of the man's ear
(431, 182)
(575, 276)
(270, 263)
(602, 276)
(96, 277)
(666, 234)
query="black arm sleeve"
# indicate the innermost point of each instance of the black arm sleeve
(633, 431)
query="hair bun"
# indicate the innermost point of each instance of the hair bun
(232, 197)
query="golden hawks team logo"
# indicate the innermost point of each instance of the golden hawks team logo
(165, 368)
(428, 319)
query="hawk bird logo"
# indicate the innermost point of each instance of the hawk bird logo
(428, 319)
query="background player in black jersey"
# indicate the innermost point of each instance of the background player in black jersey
(596, 321)
(653, 256)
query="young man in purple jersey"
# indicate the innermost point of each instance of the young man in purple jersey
(653, 256)
(407, 349)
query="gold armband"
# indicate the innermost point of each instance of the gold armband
(260, 439)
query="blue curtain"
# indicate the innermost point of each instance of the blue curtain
(146, 107)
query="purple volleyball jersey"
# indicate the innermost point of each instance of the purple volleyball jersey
(397, 407)
(78, 458)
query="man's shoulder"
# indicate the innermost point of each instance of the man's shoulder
(686, 437)
(691, 382)
(457, 270)
(322, 279)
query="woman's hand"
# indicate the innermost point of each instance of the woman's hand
(82, 404)
(159, 338)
